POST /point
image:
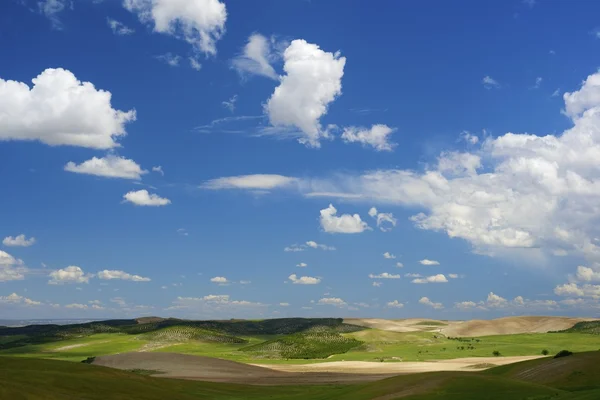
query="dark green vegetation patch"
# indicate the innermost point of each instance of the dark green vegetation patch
(316, 342)
(591, 327)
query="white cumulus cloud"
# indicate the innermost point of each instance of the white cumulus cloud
(110, 166)
(199, 22)
(304, 280)
(143, 198)
(312, 80)
(221, 280)
(345, 223)
(19, 240)
(70, 274)
(426, 301)
(388, 255)
(395, 304)
(60, 110)
(334, 301)
(426, 261)
(378, 136)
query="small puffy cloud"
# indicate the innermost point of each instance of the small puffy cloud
(110, 166)
(377, 284)
(465, 305)
(221, 280)
(118, 28)
(11, 268)
(71, 274)
(373, 212)
(301, 265)
(395, 304)
(312, 80)
(493, 300)
(284, 304)
(14, 298)
(334, 301)
(439, 278)
(122, 275)
(143, 198)
(453, 276)
(304, 280)
(587, 274)
(249, 182)
(19, 240)
(490, 83)
(345, 223)
(314, 245)
(399, 264)
(199, 22)
(425, 261)
(77, 306)
(81, 115)
(388, 255)
(256, 58)
(384, 275)
(158, 169)
(169, 59)
(377, 136)
(574, 290)
(427, 302)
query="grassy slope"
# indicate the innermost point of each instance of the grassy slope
(30, 379)
(423, 346)
(377, 344)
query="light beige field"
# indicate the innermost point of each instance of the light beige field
(397, 368)
(472, 328)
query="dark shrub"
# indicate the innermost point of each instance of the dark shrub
(563, 353)
(545, 352)
(496, 353)
(88, 360)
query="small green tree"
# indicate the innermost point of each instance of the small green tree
(496, 353)
(563, 353)
(545, 352)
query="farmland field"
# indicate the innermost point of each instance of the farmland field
(291, 341)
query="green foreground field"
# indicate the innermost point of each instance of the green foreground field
(377, 345)
(571, 378)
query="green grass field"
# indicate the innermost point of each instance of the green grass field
(316, 342)
(571, 378)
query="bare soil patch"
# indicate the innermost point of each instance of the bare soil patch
(509, 326)
(398, 325)
(183, 366)
(397, 368)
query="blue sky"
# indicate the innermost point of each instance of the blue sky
(218, 159)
